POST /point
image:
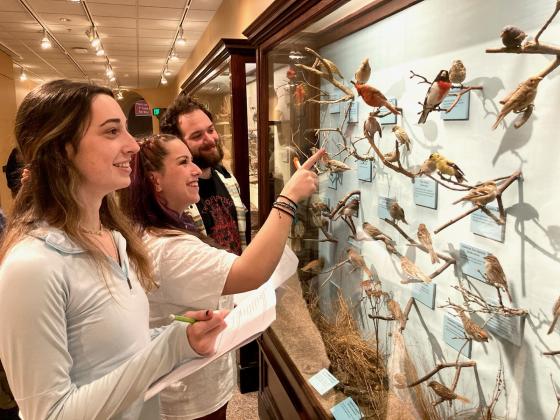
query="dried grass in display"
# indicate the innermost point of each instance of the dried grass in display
(354, 360)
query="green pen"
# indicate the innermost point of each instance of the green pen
(182, 318)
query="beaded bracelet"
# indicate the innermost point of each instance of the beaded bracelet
(286, 206)
(289, 199)
(292, 215)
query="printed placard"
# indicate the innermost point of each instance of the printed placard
(460, 111)
(484, 225)
(425, 293)
(364, 168)
(383, 204)
(323, 381)
(346, 410)
(425, 192)
(353, 113)
(453, 333)
(509, 328)
(334, 108)
(472, 261)
(390, 118)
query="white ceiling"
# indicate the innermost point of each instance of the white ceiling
(136, 36)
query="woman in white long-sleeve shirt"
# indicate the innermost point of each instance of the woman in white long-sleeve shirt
(190, 273)
(75, 340)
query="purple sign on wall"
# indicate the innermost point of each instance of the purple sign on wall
(141, 109)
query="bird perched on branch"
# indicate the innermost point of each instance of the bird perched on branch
(481, 194)
(512, 37)
(363, 73)
(447, 167)
(457, 72)
(472, 329)
(436, 94)
(332, 67)
(555, 315)
(393, 156)
(397, 213)
(412, 272)
(426, 239)
(520, 99)
(314, 266)
(375, 234)
(402, 136)
(396, 312)
(495, 275)
(373, 97)
(428, 167)
(334, 166)
(445, 393)
(372, 126)
(358, 262)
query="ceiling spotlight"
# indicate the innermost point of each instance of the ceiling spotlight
(181, 40)
(295, 55)
(22, 75)
(99, 51)
(45, 42)
(173, 56)
(95, 41)
(74, 1)
(163, 80)
(167, 72)
(112, 78)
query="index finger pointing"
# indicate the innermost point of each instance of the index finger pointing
(308, 164)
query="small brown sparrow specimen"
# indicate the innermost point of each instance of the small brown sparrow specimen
(473, 331)
(425, 239)
(412, 272)
(512, 37)
(427, 168)
(396, 312)
(364, 72)
(495, 275)
(334, 166)
(397, 213)
(519, 99)
(445, 393)
(457, 72)
(393, 156)
(555, 315)
(314, 266)
(372, 126)
(482, 194)
(402, 136)
(373, 97)
(358, 262)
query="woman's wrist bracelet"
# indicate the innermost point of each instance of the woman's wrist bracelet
(287, 206)
(289, 199)
(292, 215)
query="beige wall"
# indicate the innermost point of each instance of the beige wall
(7, 117)
(230, 20)
(157, 98)
(22, 89)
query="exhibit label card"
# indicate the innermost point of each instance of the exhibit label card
(472, 261)
(364, 170)
(383, 204)
(453, 332)
(425, 192)
(509, 328)
(390, 118)
(323, 381)
(484, 225)
(460, 111)
(425, 293)
(346, 410)
(353, 112)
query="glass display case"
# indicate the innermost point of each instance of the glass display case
(429, 256)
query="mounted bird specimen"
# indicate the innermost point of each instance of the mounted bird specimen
(481, 194)
(519, 100)
(373, 97)
(436, 94)
(363, 73)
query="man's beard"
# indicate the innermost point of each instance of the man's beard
(209, 158)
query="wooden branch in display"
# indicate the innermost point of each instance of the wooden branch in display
(556, 392)
(550, 19)
(406, 312)
(397, 168)
(439, 367)
(328, 76)
(343, 202)
(501, 188)
(459, 94)
(498, 388)
(424, 80)
(551, 353)
(331, 271)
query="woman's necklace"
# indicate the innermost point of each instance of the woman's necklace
(98, 232)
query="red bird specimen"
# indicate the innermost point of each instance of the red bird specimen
(291, 73)
(299, 94)
(373, 97)
(436, 93)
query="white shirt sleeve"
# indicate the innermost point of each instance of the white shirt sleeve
(190, 273)
(34, 351)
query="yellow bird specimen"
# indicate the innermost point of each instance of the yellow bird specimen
(447, 167)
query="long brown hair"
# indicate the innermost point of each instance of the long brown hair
(50, 117)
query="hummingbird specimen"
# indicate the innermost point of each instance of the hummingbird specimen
(402, 136)
(363, 73)
(445, 393)
(555, 315)
(436, 94)
(425, 239)
(457, 72)
(495, 275)
(397, 213)
(412, 272)
(520, 99)
(373, 97)
(481, 194)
